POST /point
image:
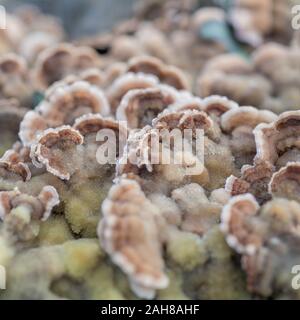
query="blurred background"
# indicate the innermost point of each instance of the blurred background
(87, 17)
(82, 17)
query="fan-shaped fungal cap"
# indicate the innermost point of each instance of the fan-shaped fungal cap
(40, 207)
(265, 56)
(5, 204)
(58, 61)
(14, 80)
(218, 105)
(139, 107)
(186, 101)
(54, 149)
(229, 63)
(205, 15)
(137, 151)
(286, 181)
(166, 74)
(11, 163)
(66, 102)
(92, 123)
(234, 215)
(126, 82)
(34, 43)
(274, 138)
(245, 116)
(128, 232)
(186, 119)
(32, 125)
(11, 63)
(253, 179)
(11, 115)
(49, 198)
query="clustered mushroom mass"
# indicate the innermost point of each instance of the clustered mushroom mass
(132, 229)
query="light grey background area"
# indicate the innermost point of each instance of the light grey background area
(82, 17)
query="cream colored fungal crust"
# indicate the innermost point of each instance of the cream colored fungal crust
(129, 234)
(246, 116)
(232, 223)
(61, 137)
(166, 74)
(277, 136)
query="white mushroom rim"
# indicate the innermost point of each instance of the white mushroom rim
(184, 148)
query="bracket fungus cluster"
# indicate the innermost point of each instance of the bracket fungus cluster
(159, 160)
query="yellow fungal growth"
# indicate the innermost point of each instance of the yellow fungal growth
(186, 250)
(54, 231)
(82, 207)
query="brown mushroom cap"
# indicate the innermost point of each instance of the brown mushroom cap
(246, 116)
(139, 107)
(166, 74)
(64, 102)
(129, 234)
(11, 163)
(54, 149)
(286, 182)
(253, 179)
(40, 207)
(56, 62)
(14, 79)
(234, 223)
(274, 138)
(185, 119)
(91, 124)
(218, 105)
(126, 82)
(32, 125)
